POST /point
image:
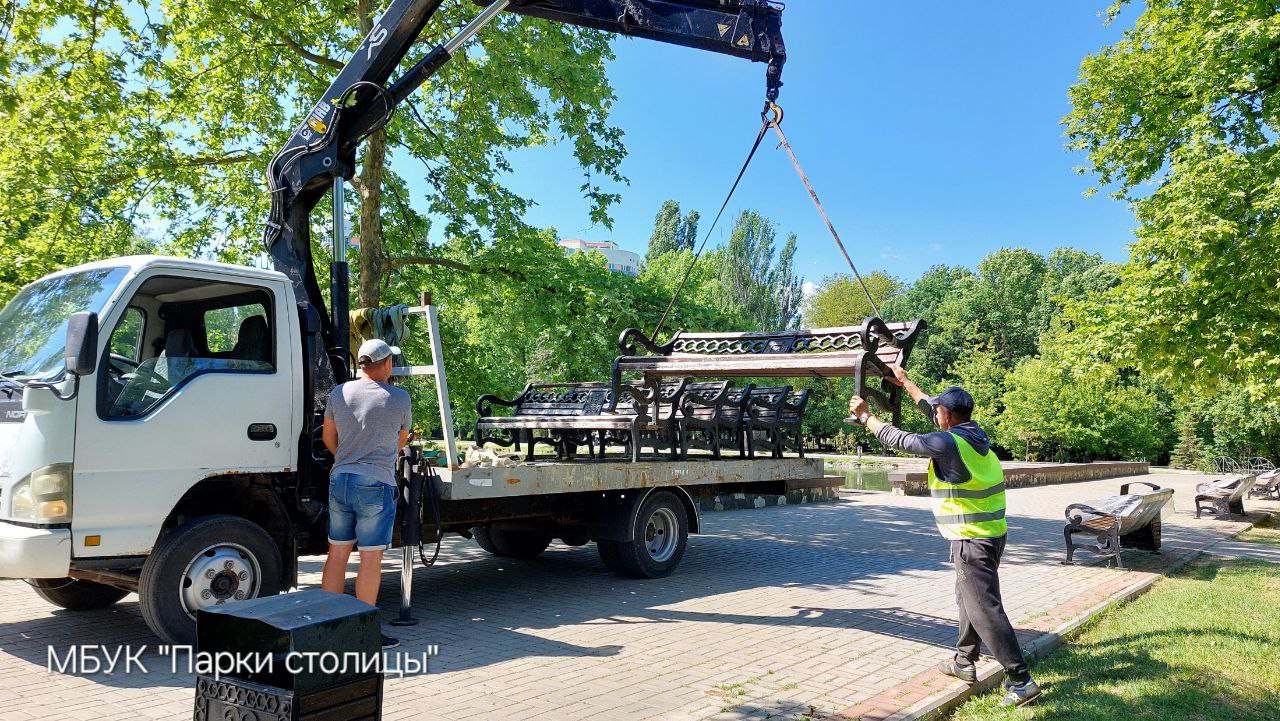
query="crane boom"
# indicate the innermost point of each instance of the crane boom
(321, 152)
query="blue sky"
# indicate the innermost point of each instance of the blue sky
(930, 130)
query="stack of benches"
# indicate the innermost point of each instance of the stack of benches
(654, 398)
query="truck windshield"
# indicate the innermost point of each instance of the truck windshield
(33, 326)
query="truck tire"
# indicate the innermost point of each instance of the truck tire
(205, 562)
(76, 594)
(611, 556)
(511, 544)
(661, 533)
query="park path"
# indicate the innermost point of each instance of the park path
(774, 611)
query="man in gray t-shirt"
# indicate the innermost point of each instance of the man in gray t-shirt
(366, 423)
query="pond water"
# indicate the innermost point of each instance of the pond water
(867, 479)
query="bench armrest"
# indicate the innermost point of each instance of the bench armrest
(758, 402)
(641, 398)
(485, 403)
(632, 339)
(694, 399)
(1124, 490)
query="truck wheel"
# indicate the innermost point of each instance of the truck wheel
(611, 556)
(661, 533)
(76, 594)
(511, 544)
(205, 562)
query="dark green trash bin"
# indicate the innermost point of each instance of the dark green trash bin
(294, 657)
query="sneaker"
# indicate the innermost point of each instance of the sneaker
(389, 641)
(1019, 694)
(967, 673)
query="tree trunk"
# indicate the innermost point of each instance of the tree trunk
(373, 253)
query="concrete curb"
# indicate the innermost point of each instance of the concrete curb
(940, 704)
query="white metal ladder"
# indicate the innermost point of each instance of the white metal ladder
(436, 369)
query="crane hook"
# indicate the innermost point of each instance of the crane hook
(772, 113)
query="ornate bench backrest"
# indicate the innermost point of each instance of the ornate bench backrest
(890, 341)
(553, 399)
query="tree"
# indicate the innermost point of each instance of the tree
(1178, 119)
(761, 291)
(839, 301)
(981, 374)
(163, 119)
(671, 231)
(1054, 411)
(1189, 453)
(687, 235)
(666, 229)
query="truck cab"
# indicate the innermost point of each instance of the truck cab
(174, 455)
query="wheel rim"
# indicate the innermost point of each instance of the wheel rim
(221, 573)
(660, 535)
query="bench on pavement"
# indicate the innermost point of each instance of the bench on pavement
(1129, 520)
(1224, 497)
(1267, 485)
(568, 412)
(861, 352)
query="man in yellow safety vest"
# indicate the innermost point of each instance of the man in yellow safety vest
(966, 484)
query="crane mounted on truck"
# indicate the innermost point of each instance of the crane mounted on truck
(177, 452)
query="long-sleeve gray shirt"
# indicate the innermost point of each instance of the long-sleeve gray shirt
(939, 446)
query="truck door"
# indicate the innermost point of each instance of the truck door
(195, 381)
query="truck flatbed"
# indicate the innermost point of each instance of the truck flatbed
(548, 477)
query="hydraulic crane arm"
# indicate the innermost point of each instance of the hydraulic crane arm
(322, 150)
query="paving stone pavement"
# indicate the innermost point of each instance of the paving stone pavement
(773, 612)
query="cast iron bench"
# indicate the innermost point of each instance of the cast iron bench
(777, 412)
(1129, 520)
(717, 411)
(568, 412)
(1267, 485)
(860, 352)
(1224, 497)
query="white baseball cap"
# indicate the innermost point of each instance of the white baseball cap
(374, 350)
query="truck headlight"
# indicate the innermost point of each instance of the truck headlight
(44, 496)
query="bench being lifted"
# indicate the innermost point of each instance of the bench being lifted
(862, 352)
(1129, 520)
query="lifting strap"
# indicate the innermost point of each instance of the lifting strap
(776, 123)
(771, 117)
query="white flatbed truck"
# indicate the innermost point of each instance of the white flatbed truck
(162, 457)
(159, 417)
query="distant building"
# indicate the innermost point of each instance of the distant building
(623, 261)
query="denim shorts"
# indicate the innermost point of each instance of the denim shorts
(361, 511)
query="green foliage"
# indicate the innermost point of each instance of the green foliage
(671, 231)
(839, 300)
(1231, 423)
(1189, 453)
(763, 290)
(1053, 411)
(127, 128)
(981, 374)
(1179, 119)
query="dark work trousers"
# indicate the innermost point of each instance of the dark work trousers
(982, 616)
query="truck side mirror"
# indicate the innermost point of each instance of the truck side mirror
(82, 343)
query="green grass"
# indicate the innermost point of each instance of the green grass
(1203, 644)
(1264, 531)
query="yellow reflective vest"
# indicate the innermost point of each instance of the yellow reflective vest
(975, 508)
